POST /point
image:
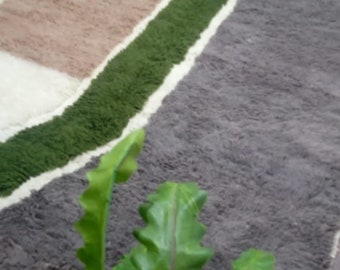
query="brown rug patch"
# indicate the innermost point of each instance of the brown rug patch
(70, 36)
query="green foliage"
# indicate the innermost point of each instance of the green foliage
(116, 95)
(115, 167)
(172, 236)
(254, 259)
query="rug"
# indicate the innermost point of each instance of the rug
(255, 123)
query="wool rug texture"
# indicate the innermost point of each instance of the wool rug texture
(256, 124)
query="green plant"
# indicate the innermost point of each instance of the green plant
(172, 236)
(254, 259)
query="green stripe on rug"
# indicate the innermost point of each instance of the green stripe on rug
(117, 94)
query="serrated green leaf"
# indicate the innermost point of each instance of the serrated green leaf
(150, 260)
(125, 263)
(172, 236)
(254, 259)
(115, 167)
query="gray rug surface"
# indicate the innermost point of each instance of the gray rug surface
(256, 123)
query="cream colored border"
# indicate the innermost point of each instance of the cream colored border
(28, 90)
